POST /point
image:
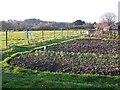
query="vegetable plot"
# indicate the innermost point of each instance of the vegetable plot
(89, 46)
(69, 62)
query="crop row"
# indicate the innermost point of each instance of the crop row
(81, 63)
(89, 46)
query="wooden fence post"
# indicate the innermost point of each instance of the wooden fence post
(6, 38)
(76, 32)
(42, 35)
(54, 33)
(67, 33)
(28, 38)
(80, 32)
(62, 32)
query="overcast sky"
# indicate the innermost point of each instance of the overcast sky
(57, 10)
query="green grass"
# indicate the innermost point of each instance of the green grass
(18, 37)
(8, 52)
(45, 80)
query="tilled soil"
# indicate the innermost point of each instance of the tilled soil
(89, 46)
(69, 62)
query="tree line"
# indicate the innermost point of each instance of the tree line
(107, 20)
(36, 24)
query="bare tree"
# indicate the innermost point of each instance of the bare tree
(6, 25)
(108, 19)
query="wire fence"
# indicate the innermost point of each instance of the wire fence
(10, 38)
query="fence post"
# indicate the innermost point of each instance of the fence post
(76, 31)
(67, 33)
(42, 35)
(54, 33)
(28, 38)
(6, 38)
(62, 32)
(80, 32)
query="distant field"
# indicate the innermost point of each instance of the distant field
(19, 38)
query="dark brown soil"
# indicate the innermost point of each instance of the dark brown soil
(89, 46)
(71, 57)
